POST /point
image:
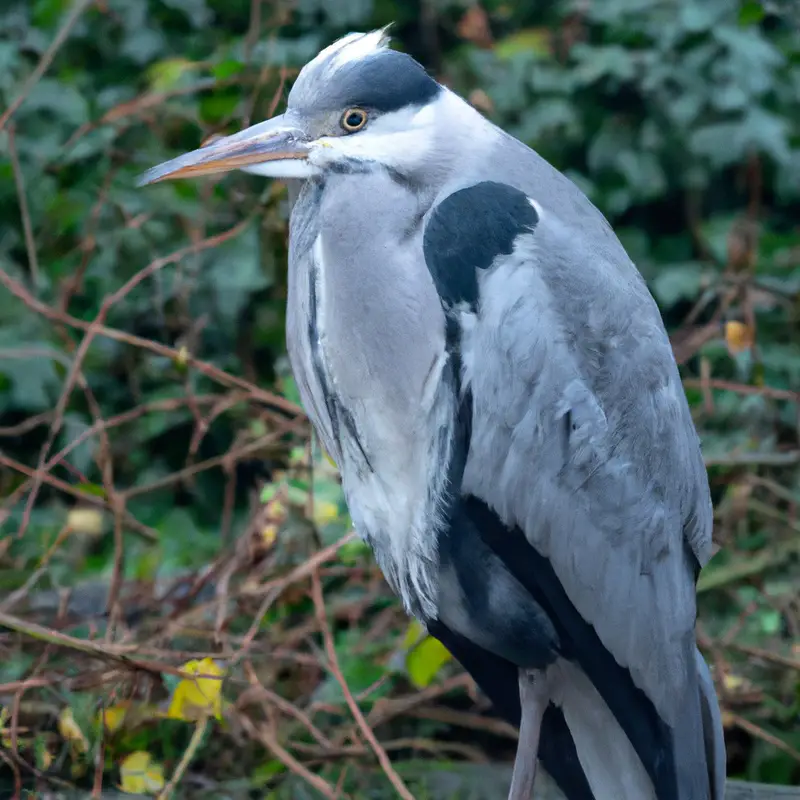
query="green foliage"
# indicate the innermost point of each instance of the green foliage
(680, 120)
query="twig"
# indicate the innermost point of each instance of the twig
(744, 388)
(386, 709)
(33, 578)
(92, 330)
(760, 733)
(47, 58)
(775, 459)
(186, 759)
(27, 227)
(91, 648)
(470, 752)
(287, 426)
(333, 664)
(276, 589)
(766, 655)
(268, 739)
(284, 705)
(133, 524)
(464, 719)
(170, 353)
(20, 686)
(754, 565)
(99, 427)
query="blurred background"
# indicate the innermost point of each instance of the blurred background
(163, 512)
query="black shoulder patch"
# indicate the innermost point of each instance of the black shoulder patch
(468, 230)
(386, 81)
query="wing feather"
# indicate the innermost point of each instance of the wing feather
(581, 436)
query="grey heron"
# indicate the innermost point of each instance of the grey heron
(485, 364)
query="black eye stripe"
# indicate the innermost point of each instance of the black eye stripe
(384, 82)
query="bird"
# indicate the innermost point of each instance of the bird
(485, 364)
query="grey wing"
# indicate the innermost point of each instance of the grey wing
(582, 437)
(584, 477)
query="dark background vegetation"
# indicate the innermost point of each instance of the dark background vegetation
(159, 499)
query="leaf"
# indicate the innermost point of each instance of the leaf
(139, 774)
(57, 99)
(325, 512)
(71, 732)
(197, 697)
(677, 282)
(44, 758)
(34, 381)
(166, 74)
(610, 61)
(739, 337)
(233, 287)
(226, 69)
(143, 44)
(86, 521)
(424, 655)
(425, 660)
(126, 715)
(751, 13)
(528, 40)
(413, 635)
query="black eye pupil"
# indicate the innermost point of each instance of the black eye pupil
(354, 119)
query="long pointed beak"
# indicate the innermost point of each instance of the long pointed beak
(274, 147)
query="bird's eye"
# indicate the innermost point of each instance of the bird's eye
(354, 119)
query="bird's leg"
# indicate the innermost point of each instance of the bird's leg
(533, 699)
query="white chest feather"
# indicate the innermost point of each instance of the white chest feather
(381, 412)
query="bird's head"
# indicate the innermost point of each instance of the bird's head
(357, 106)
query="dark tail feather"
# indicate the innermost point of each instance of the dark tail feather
(713, 735)
(499, 680)
(689, 748)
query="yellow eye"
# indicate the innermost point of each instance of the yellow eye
(354, 119)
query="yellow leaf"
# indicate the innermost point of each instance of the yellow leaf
(87, 521)
(125, 714)
(276, 510)
(325, 512)
(732, 682)
(425, 660)
(139, 774)
(269, 533)
(329, 459)
(5, 736)
(44, 759)
(182, 358)
(414, 633)
(111, 718)
(425, 656)
(528, 40)
(739, 337)
(198, 697)
(166, 74)
(71, 732)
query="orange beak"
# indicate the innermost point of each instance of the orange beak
(272, 148)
